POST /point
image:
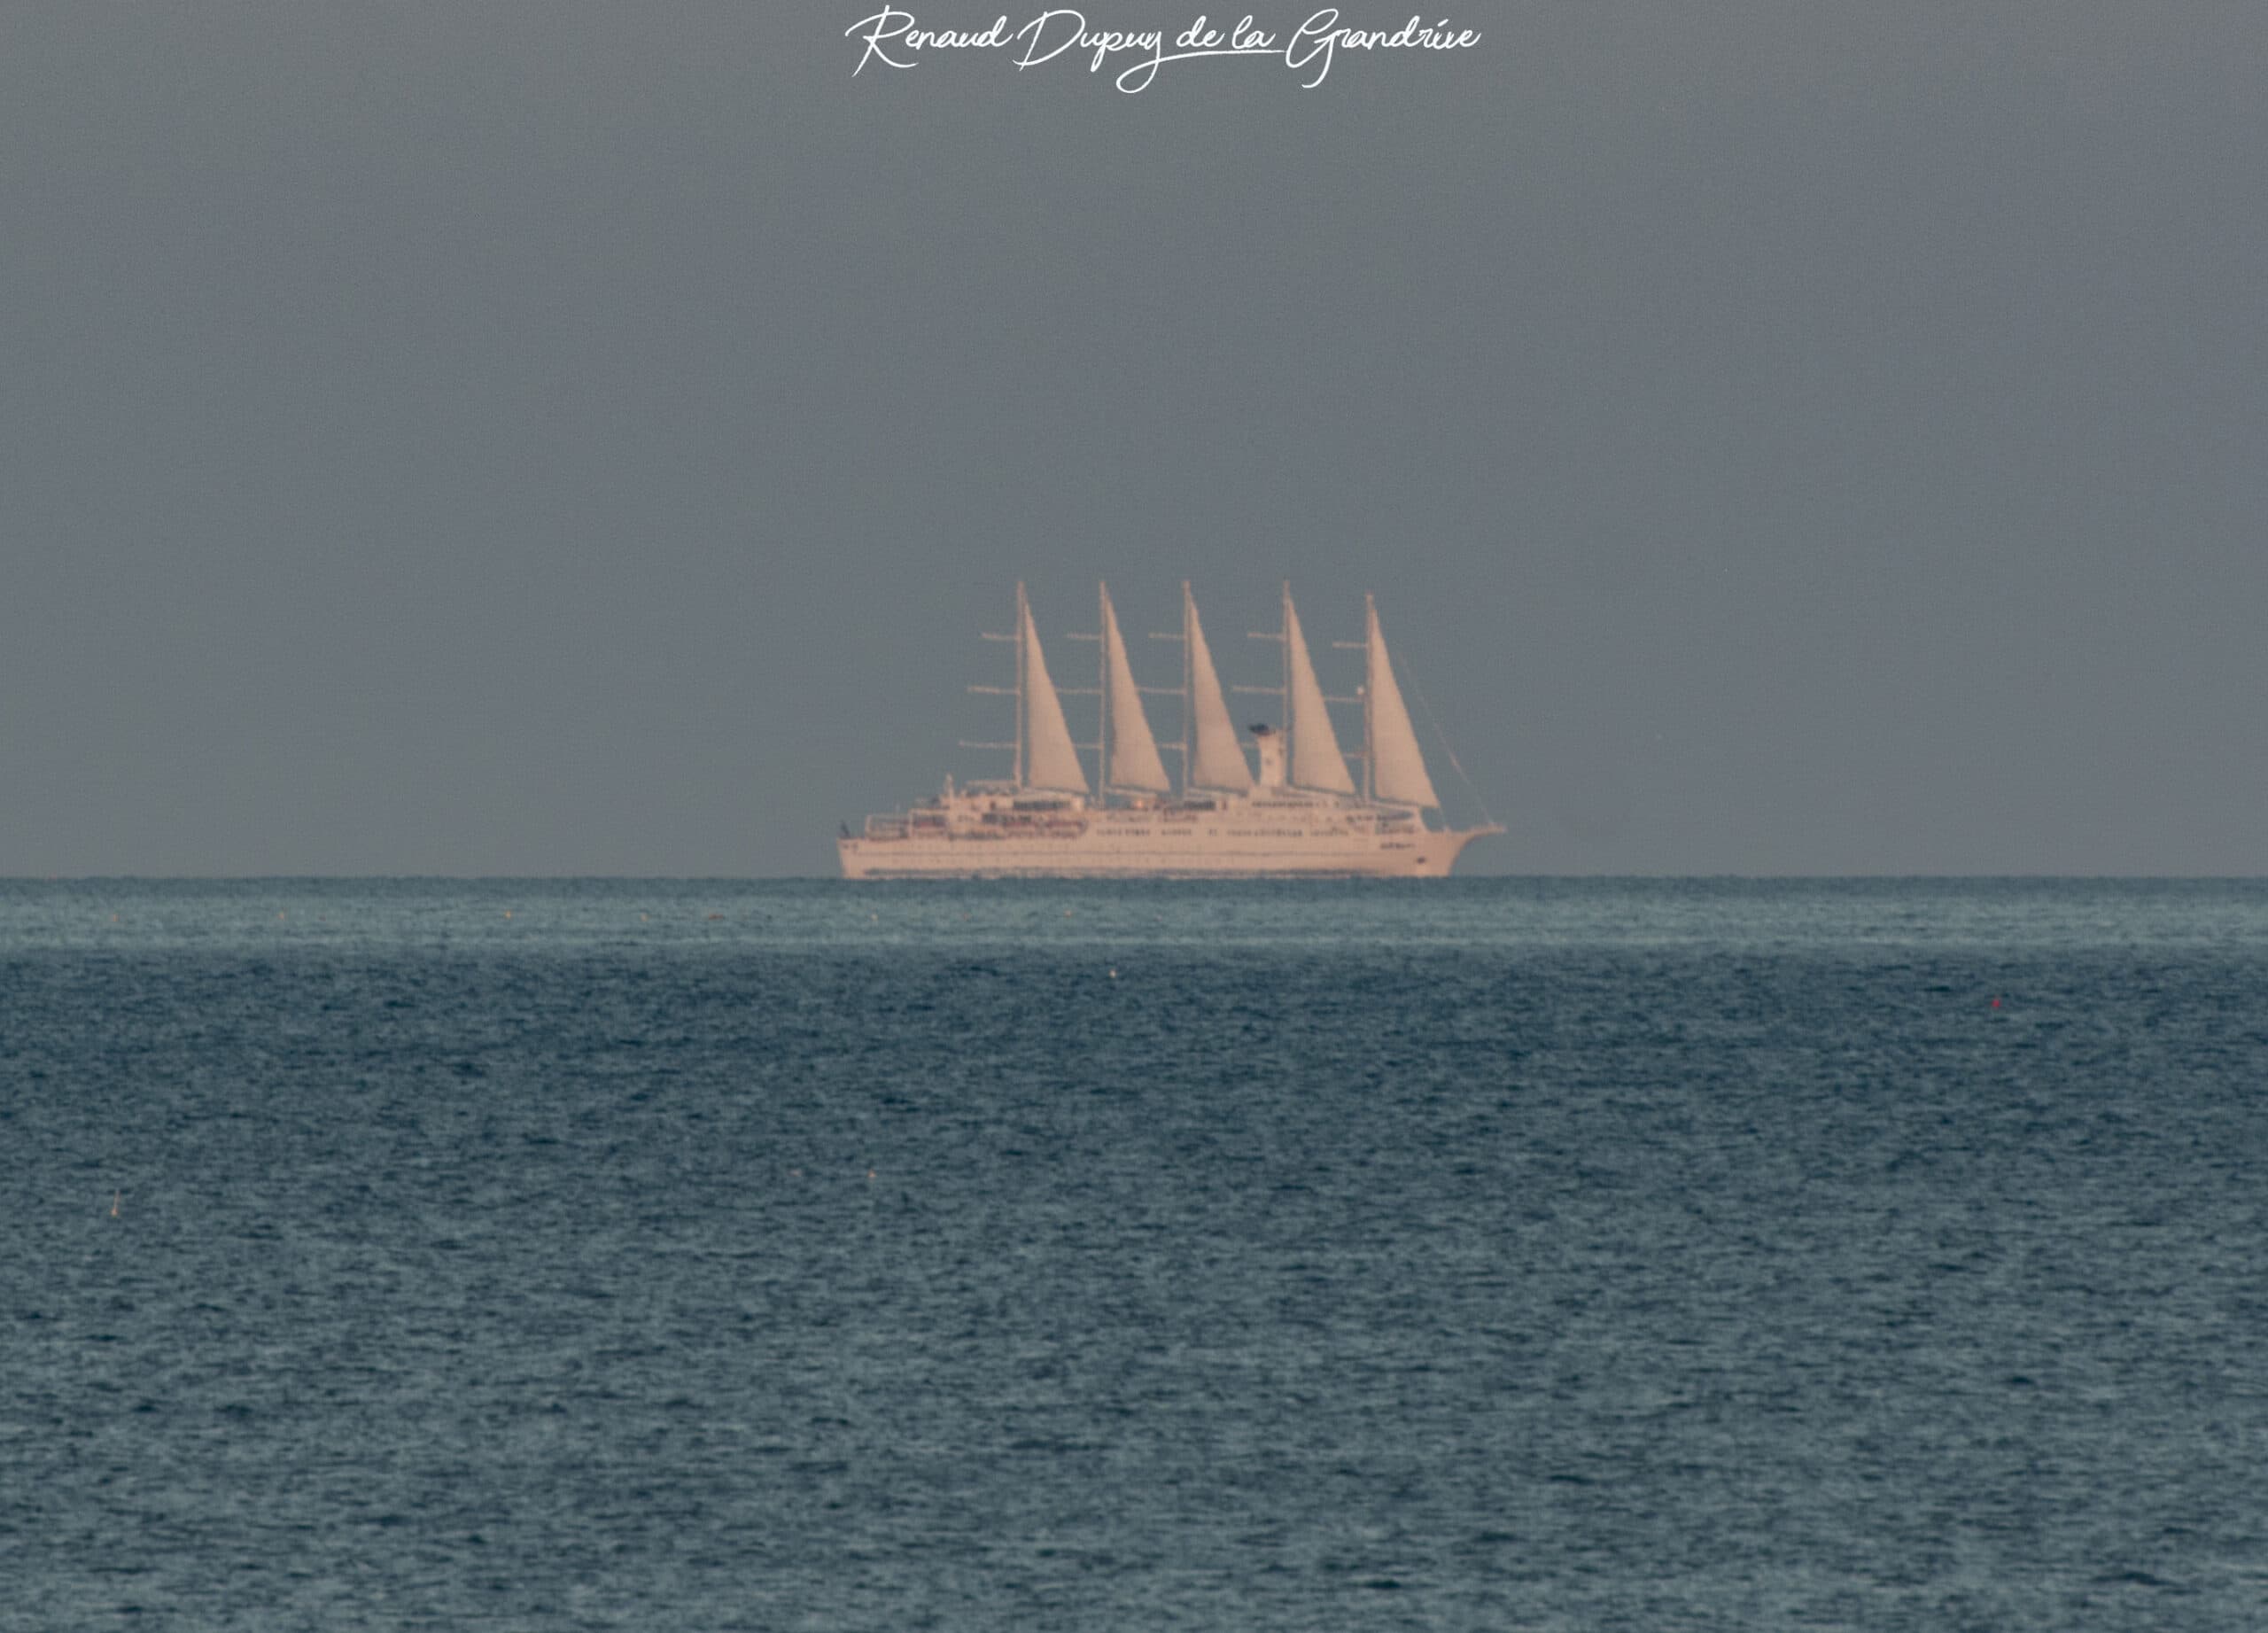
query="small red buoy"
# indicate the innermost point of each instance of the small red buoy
(1996, 1003)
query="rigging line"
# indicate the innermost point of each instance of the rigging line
(1434, 721)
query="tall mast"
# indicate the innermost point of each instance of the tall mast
(1188, 680)
(1130, 752)
(1102, 690)
(1051, 759)
(1366, 695)
(1023, 622)
(1397, 770)
(1370, 691)
(1285, 624)
(1316, 761)
(1216, 758)
(1281, 636)
(1187, 690)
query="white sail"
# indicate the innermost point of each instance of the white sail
(1049, 759)
(1215, 759)
(1316, 762)
(1134, 762)
(1397, 767)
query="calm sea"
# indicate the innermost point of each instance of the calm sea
(1482, 1254)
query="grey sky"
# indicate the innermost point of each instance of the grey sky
(505, 437)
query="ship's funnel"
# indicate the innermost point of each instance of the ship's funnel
(1271, 756)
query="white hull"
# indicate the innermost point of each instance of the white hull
(1099, 852)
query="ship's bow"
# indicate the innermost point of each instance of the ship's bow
(1437, 858)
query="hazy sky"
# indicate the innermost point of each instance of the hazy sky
(542, 436)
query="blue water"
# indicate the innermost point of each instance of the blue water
(1467, 1255)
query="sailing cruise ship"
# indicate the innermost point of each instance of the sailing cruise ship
(1297, 813)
